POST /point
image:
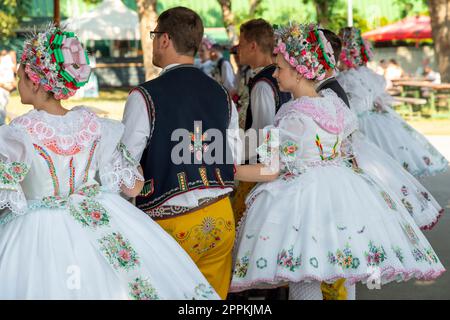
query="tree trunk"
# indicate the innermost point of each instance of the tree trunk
(322, 12)
(440, 25)
(254, 4)
(228, 20)
(56, 13)
(147, 22)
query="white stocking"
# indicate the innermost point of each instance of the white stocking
(351, 291)
(305, 291)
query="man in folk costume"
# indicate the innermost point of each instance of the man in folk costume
(189, 200)
(223, 71)
(256, 43)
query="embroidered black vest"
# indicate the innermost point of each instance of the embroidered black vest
(333, 84)
(280, 97)
(175, 100)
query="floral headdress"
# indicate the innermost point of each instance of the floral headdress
(355, 50)
(207, 42)
(306, 49)
(56, 60)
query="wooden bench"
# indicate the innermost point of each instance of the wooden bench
(409, 107)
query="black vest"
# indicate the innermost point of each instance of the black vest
(280, 97)
(175, 100)
(333, 84)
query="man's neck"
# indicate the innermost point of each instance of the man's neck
(178, 60)
(261, 61)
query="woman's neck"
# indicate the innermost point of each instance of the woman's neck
(51, 106)
(305, 89)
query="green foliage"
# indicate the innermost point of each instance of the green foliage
(11, 12)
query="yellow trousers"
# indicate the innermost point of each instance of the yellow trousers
(238, 202)
(334, 291)
(207, 235)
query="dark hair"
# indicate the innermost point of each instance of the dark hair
(335, 42)
(393, 61)
(260, 31)
(217, 47)
(185, 28)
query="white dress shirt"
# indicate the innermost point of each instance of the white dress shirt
(137, 132)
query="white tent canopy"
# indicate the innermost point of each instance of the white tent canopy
(111, 20)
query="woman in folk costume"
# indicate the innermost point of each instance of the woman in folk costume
(377, 120)
(67, 234)
(369, 157)
(319, 220)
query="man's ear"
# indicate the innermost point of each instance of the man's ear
(164, 41)
(253, 45)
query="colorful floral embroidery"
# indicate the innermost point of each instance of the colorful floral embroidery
(333, 155)
(126, 154)
(398, 253)
(427, 256)
(72, 176)
(418, 255)
(89, 162)
(287, 260)
(408, 206)
(412, 236)
(406, 166)
(431, 255)
(12, 173)
(425, 195)
(376, 255)
(91, 214)
(314, 262)
(289, 148)
(344, 258)
(387, 198)
(51, 167)
(404, 190)
(141, 289)
(197, 147)
(427, 161)
(118, 251)
(261, 263)
(203, 291)
(241, 266)
(207, 234)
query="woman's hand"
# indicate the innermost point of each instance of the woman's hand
(256, 173)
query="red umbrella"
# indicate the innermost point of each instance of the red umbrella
(414, 28)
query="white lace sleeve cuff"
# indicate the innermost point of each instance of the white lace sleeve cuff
(11, 194)
(122, 170)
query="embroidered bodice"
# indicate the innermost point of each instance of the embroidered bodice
(308, 131)
(44, 156)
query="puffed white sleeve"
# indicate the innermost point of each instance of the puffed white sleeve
(282, 143)
(16, 152)
(116, 165)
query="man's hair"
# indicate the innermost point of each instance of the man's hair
(185, 28)
(335, 42)
(217, 47)
(260, 31)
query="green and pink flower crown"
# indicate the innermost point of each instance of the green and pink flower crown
(355, 50)
(56, 60)
(305, 48)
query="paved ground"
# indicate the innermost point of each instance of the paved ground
(439, 187)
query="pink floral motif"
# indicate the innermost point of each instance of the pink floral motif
(62, 144)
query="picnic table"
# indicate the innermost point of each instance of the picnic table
(433, 92)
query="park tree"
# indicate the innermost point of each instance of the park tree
(228, 19)
(11, 11)
(440, 28)
(147, 22)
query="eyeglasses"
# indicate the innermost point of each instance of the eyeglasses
(153, 34)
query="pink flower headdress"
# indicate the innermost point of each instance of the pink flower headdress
(207, 42)
(306, 49)
(56, 60)
(355, 50)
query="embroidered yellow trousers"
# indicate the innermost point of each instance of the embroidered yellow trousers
(334, 291)
(238, 202)
(207, 235)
